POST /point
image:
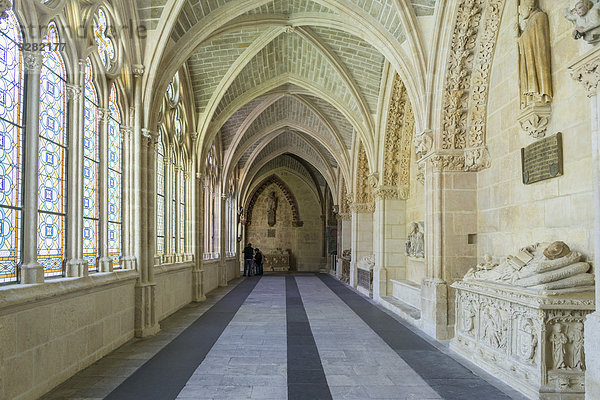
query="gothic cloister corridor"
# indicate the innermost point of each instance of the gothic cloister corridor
(419, 180)
(296, 336)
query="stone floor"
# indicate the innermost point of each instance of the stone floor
(283, 337)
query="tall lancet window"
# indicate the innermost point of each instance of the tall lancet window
(11, 146)
(160, 199)
(114, 179)
(181, 214)
(52, 159)
(90, 169)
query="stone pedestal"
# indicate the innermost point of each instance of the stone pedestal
(434, 308)
(532, 342)
(365, 280)
(146, 323)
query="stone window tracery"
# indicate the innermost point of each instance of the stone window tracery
(91, 163)
(52, 159)
(104, 43)
(114, 179)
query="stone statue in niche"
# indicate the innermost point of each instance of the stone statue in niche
(272, 209)
(576, 337)
(535, 77)
(585, 16)
(542, 268)
(468, 317)
(415, 242)
(558, 340)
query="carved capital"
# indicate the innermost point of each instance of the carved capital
(363, 208)
(534, 120)
(386, 192)
(103, 114)
(477, 159)
(343, 216)
(33, 61)
(586, 71)
(74, 92)
(447, 162)
(125, 132)
(138, 70)
(199, 176)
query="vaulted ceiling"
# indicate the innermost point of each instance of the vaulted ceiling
(281, 77)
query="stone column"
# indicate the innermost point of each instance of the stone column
(362, 236)
(389, 236)
(128, 259)
(76, 267)
(169, 256)
(31, 270)
(146, 323)
(197, 272)
(586, 70)
(104, 262)
(151, 138)
(450, 239)
(345, 239)
(222, 237)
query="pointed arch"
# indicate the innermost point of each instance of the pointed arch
(289, 196)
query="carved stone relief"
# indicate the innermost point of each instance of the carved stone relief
(585, 17)
(364, 189)
(415, 242)
(467, 84)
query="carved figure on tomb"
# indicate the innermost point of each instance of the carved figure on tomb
(558, 340)
(415, 242)
(576, 337)
(468, 317)
(543, 268)
(585, 16)
(494, 330)
(487, 263)
(272, 209)
(535, 78)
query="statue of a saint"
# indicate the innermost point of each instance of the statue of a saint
(558, 340)
(415, 242)
(272, 209)
(576, 336)
(585, 16)
(535, 77)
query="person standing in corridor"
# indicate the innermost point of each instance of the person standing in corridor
(258, 261)
(248, 255)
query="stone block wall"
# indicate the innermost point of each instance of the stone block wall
(49, 332)
(511, 214)
(173, 289)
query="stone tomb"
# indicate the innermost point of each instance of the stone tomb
(529, 336)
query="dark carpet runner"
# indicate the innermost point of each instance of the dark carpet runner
(164, 375)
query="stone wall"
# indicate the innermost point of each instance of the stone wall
(415, 211)
(173, 289)
(511, 214)
(211, 275)
(49, 332)
(305, 242)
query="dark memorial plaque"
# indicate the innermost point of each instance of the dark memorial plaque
(542, 160)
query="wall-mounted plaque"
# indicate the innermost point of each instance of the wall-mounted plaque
(542, 160)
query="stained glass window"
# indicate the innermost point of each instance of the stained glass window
(52, 159)
(181, 194)
(160, 199)
(114, 179)
(90, 169)
(11, 147)
(106, 47)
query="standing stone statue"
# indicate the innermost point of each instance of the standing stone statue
(535, 77)
(272, 209)
(576, 336)
(415, 242)
(558, 340)
(585, 16)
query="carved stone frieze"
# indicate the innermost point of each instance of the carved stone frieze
(447, 162)
(393, 132)
(386, 192)
(467, 79)
(423, 143)
(364, 189)
(535, 342)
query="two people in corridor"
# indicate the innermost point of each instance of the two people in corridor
(253, 261)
